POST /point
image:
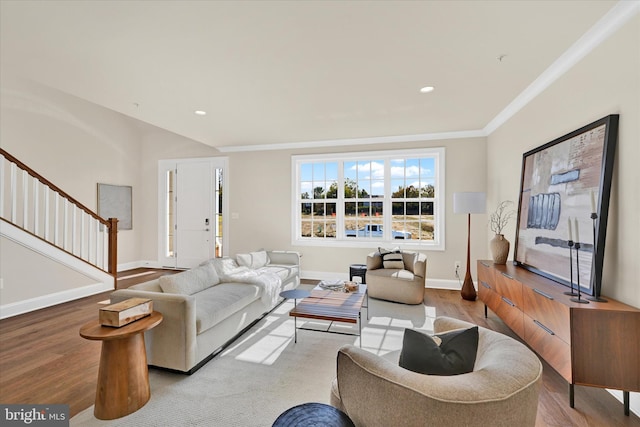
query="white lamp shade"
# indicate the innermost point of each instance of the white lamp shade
(469, 202)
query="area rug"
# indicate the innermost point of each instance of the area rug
(264, 372)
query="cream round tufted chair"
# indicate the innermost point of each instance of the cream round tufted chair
(502, 389)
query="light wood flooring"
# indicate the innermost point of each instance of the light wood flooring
(43, 359)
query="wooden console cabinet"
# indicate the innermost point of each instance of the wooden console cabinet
(595, 344)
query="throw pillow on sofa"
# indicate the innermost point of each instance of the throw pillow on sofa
(449, 353)
(190, 281)
(253, 260)
(391, 258)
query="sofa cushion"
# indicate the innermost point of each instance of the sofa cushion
(392, 273)
(392, 258)
(393, 261)
(219, 302)
(454, 354)
(222, 266)
(253, 259)
(191, 281)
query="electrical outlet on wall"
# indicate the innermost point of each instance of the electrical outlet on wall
(457, 265)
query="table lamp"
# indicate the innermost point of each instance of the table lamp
(468, 203)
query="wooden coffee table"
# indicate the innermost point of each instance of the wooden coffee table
(334, 306)
(123, 377)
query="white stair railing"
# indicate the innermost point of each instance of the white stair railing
(34, 204)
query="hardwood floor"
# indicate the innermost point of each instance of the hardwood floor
(593, 406)
(43, 359)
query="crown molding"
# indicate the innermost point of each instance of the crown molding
(355, 141)
(613, 20)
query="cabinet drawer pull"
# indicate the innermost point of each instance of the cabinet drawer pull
(539, 292)
(483, 283)
(506, 275)
(549, 331)
(508, 301)
(486, 265)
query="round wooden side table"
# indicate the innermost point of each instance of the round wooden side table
(123, 376)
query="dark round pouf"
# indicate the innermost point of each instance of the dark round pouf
(313, 415)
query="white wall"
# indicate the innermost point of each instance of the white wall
(160, 145)
(261, 197)
(77, 144)
(260, 181)
(21, 281)
(607, 81)
(74, 144)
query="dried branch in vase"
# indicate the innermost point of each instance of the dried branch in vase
(499, 219)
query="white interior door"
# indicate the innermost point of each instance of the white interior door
(194, 237)
(192, 206)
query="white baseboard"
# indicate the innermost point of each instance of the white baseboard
(138, 264)
(453, 285)
(20, 307)
(323, 275)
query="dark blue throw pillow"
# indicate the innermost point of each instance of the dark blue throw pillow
(455, 354)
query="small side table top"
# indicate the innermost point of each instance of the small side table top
(313, 414)
(95, 331)
(295, 294)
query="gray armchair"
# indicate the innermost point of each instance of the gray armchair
(501, 391)
(404, 285)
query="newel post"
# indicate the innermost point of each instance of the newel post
(113, 248)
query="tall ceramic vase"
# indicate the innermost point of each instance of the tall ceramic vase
(499, 249)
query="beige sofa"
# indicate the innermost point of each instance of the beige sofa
(207, 307)
(502, 390)
(405, 285)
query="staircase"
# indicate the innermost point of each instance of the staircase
(38, 215)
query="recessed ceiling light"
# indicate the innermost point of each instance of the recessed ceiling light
(200, 113)
(427, 89)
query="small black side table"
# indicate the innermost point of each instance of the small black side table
(358, 270)
(312, 415)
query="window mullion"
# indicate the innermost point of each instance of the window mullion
(386, 205)
(340, 203)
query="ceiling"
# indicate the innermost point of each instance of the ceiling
(275, 74)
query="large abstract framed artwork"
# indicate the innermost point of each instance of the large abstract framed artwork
(564, 196)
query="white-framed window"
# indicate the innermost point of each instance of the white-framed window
(368, 199)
